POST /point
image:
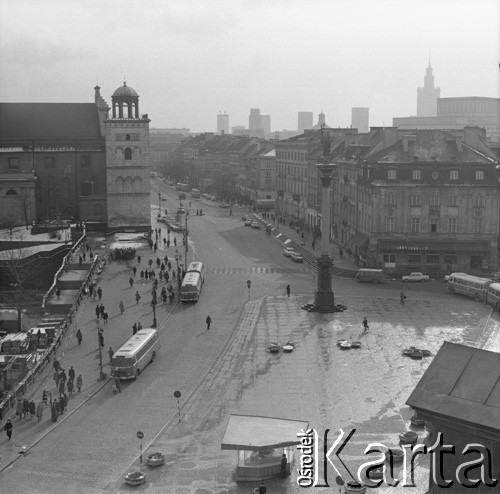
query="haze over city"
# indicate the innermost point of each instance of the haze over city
(188, 60)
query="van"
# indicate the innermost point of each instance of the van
(373, 275)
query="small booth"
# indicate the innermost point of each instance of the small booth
(260, 443)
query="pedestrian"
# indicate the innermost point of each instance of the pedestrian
(146, 274)
(8, 428)
(71, 373)
(155, 247)
(142, 275)
(56, 378)
(79, 336)
(101, 337)
(62, 387)
(57, 411)
(134, 270)
(110, 353)
(158, 262)
(70, 386)
(39, 411)
(137, 297)
(175, 241)
(79, 382)
(101, 310)
(56, 365)
(164, 242)
(365, 324)
(262, 488)
(97, 310)
(288, 290)
(131, 282)
(99, 292)
(283, 465)
(105, 317)
(117, 384)
(62, 403)
(402, 296)
(122, 307)
(45, 396)
(208, 321)
(150, 262)
(139, 327)
(155, 283)
(134, 328)
(138, 259)
(62, 376)
(169, 264)
(26, 407)
(20, 408)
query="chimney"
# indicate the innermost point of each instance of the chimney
(405, 143)
(97, 90)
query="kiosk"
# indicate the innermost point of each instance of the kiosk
(261, 443)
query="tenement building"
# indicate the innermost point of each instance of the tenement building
(74, 161)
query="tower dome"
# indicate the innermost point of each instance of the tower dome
(125, 102)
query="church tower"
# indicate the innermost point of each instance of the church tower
(427, 96)
(127, 163)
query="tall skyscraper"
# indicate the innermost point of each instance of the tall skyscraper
(360, 119)
(305, 120)
(254, 120)
(428, 95)
(265, 121)
(223, 123)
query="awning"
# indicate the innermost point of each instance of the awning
(451, 246)
(255, 433)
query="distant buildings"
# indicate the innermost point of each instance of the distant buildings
(240, 130)
(162, 142)
(321, 123)
(222, 123)
(259, 125)
(360, 119)
(427, 96)
(304, 120)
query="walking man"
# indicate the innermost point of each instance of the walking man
(99, 292)
(134, 328)
(79, 382)
(122, 307)
(208, 321)
(131, 282)
(288, 290)
(134, 270)
(402, 296)
(110, 353)
(283, 465)
(71, 373)
(8, 428)
(137, 297)
(365, 324)
(79, 336)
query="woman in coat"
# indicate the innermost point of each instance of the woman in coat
(39, 411)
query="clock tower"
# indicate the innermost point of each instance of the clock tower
(127, 164)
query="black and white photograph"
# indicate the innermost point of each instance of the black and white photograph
(249, 246)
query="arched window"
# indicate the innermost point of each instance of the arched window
(137, 184)
(119, 185)
(128, 185)
(128, 154)
(11, 192)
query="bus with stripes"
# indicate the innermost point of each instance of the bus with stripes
(493, 295)
(467, 284)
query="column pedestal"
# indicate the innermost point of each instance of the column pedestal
(324, 300)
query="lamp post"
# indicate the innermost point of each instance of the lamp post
(100, 339)
(153, 304)
(185, 240)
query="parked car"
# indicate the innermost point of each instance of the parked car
(248, 222)
(213, 198)
(416, 277)
(223, 205)
(244, 217)
(295, 256)
(370, 275)
(255, 224)
(288, 251)
(181, 210)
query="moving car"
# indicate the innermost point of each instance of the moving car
(248, 222)
(288, 251)
(373, 275)
(416, 277)
(255, 224)
(181, 210)
(295, 256)
(223, 205)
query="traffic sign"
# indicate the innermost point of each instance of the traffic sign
(177, 394)
(249, 283)
(140, 434)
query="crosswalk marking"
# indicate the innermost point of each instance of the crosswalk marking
(251, 270)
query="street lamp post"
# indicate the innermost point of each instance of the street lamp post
(185, 240)
(100, 337)
(153, 303)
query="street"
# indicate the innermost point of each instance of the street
(228, 369)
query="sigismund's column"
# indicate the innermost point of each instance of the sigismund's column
(324, 299)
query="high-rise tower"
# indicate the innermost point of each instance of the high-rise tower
(427, 96)
(223, 123)
(305, 120)
(360, 119)
(127, 163)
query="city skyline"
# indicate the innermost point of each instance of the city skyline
(189, 60)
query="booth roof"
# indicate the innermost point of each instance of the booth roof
(254, 433)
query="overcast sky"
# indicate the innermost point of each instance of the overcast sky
(190, 59)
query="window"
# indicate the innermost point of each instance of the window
(128, 154)
(11, 192)
(435, 200)
(479, 201)
(479, 175)
(434, 225)
(450, 259)
(453, 175)
(453, 201)
(432, 259)
(452, 225)
(389, 224)
(85, 161)
(414, 258)
(415, 200)
(390, 199)
(390, 258)
(477, 225)
(391, 174)
(13, 163)
(49, 162)
(415, 225)
(417, 174)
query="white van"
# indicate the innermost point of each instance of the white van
(373, 275)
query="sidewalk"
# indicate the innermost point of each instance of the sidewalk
(114, 282)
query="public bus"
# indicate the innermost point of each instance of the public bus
(469, 285)
(197, 267)
(195, 193)
(130, 359)
(191, 287)
(182, 187)
(493, 295)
